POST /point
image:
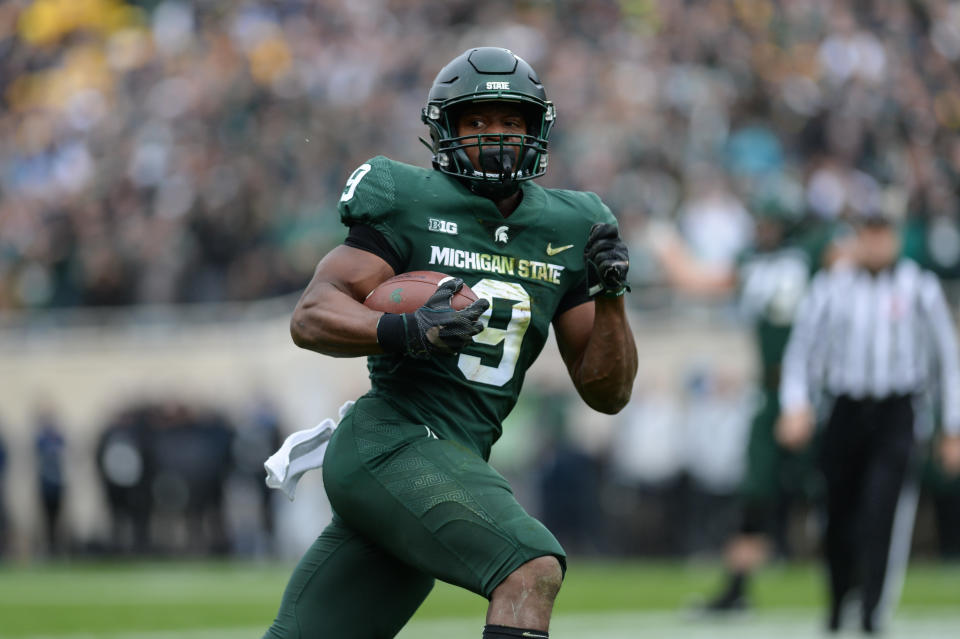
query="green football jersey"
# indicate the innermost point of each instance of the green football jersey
(524, 265)
(772, 283)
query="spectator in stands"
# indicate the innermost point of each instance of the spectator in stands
(213, 122)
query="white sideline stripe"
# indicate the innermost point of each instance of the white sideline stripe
(781, 624)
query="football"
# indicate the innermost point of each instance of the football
(406, 292)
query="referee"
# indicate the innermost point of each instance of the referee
(871, 337)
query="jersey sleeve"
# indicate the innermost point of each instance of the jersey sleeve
(597, 212)
(369, 198)
(601, 212)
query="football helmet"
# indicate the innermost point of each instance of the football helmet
(495, 75)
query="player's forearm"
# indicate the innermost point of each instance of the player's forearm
(605, 373)
(685, 273)
(331, 322)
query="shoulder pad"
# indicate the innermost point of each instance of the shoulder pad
(584, 205)
(369, 193)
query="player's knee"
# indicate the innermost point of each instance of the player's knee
(540, 578)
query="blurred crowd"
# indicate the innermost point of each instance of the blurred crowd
(167, 468)
(175, 477)
(181, 151)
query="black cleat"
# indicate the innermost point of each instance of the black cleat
(833, 622)
(726, 603)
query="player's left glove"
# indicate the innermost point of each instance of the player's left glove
(607, 261)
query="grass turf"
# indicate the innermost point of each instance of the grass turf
(107, 598)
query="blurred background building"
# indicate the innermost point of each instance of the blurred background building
(169, 172)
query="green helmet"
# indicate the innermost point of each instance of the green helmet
(480, 75)
(778, 199)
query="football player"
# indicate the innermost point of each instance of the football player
(770, 280)
(406, 471)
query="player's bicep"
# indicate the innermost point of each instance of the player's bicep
(330, 317)
(572, 329)
(350, 270)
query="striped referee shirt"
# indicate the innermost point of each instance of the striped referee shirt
(867, 335)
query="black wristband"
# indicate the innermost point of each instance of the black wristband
(491, 631)
(391, 334)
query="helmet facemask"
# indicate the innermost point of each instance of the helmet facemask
(506, 159)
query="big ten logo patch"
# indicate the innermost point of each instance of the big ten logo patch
(442, 226)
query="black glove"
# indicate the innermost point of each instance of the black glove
(607, 261)
(434, 328)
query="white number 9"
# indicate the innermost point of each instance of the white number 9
(353, 181)
(511, 336)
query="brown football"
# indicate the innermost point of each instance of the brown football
(406, 292)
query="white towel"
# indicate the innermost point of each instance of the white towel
(302, 451)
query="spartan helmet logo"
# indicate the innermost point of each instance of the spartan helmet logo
(500, 235)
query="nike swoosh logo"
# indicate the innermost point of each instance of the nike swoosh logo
(534, 634)
(559, 249)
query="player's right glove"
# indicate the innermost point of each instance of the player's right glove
(433, 329)
(607, 261)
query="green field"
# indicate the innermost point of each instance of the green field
(607, 600)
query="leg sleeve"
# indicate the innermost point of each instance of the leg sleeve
(759, 483)
(759, 488)
(344, 586)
